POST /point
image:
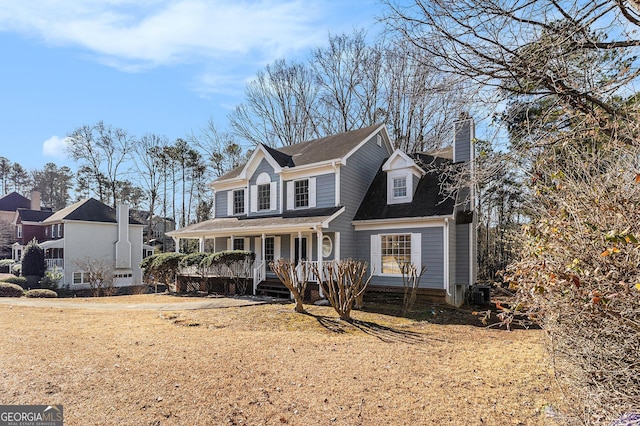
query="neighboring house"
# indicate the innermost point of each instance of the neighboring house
(348, 195)
(28, 225)
(9, 205)
(91, 232)
(155, 229)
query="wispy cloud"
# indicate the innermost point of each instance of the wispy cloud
(133, 34)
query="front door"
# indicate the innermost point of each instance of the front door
(300, 252)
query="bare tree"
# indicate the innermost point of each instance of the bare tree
(149, 164)
(294, 277)
(99, 274)
(280, 106)
(343, 283)
(103, 150)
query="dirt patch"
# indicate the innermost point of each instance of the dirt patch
(267, 365)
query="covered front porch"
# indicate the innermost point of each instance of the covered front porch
(297, 239)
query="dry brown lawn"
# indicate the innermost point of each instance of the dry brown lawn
(266, 365)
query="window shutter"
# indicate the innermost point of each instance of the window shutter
(273, 202)
(254, 198)
(229, 244)
(246, 200)
(375, 265)
(276, 248)
(416, 251)
(291, 202)
(312, 192)
(247, 244)
(230, 203)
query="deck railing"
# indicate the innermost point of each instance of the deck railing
(55, 263)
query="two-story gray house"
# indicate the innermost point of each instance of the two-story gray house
(349, 195)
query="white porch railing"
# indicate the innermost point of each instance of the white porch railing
(310, 264)
(259, 274)
(55, 263)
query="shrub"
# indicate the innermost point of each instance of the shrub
(6, 265)
(32, 281)
(21, 281)
(16, 269)
(10, 290)
(41, 293)
(33, 262)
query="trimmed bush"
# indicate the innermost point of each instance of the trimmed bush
(41, 293)
(16, 269)
(10, 290)
(33, 281)
(21, 281)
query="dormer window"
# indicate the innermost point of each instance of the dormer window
(403, 175)
(400, 187)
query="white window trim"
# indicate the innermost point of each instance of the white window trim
(399, 174)
(376, 252)
(19, 232)
(291, 193)
(231, 202)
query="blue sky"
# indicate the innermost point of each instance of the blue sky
(147, 66)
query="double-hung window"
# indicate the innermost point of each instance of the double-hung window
(301, 193)
(238, 243)
(264, 197)
(238, 201)
(399, 187)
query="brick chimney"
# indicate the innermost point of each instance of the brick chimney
(35, 200)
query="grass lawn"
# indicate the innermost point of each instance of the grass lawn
(266, 365)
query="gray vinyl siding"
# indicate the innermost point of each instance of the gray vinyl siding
(432, 256)
(221, 203)
(355, 179)
(264, 167)
(326, 190)
(462, 254)
(453, 244)
(462, 141)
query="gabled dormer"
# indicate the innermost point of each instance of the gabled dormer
(403, 175)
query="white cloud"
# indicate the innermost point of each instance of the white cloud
(130, 34)
(55, 147)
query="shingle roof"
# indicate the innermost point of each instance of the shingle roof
(14, 201)
(427, 200)
(313, 151)
(89, 210)
(28, 215)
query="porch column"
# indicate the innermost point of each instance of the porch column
(299, 246)
(176, 242)
(201, 245)
(320, 277)
(264, 257)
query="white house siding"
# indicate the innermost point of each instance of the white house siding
(96, 240)
(355, 179)
(432, 256)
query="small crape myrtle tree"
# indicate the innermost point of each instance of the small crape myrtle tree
(343, 283)
(294, 277)
(410, 283)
